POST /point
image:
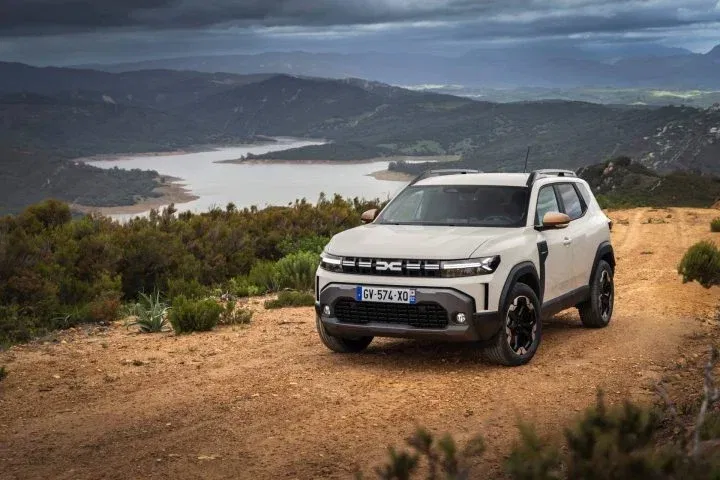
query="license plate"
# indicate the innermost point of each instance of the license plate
(384, 294)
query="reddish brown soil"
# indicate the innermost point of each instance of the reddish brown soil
(269, 401)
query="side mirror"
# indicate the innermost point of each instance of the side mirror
(369, 215)
(555, 220)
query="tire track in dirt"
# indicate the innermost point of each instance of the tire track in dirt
(269, 401)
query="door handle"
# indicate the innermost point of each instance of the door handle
(567, 241)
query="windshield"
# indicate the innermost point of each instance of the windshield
(458, 205)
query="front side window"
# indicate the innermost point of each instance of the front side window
(571, 201)
(546, 203)
(458, 205)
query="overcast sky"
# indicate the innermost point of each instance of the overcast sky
(66, 32)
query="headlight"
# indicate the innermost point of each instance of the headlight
(470, 267)
(331, 263)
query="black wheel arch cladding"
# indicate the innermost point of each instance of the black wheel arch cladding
(519, 271)
(604, 252)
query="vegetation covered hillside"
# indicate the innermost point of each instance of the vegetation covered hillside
(29, 176)
(56, 272)
(624, 183)
(65, 113)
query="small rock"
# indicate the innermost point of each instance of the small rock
(56, 376)
(214, 456)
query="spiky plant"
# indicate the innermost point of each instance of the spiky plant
(150, 314)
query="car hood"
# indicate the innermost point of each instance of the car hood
(412, 241)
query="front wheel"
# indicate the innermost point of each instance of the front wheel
(340, 344)
(519, 338)
(597, 311)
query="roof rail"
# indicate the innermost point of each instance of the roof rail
(548, 172)
(441, 172)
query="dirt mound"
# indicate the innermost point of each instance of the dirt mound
(269, 401)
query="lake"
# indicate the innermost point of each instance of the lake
(260, 184)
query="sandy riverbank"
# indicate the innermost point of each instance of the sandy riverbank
(170, 192)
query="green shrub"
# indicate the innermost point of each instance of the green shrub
(440, 457)
(701, 263)
(241, 287)
(234, 315)
(16, 325)
(311, 243)
(194, 315)
(3, 373)
(616, 442)
(264, 275)
(715, 225)
(70, 316)
(188, 288)
(533, 458)
(291, 299)
(297, 270)
(150, 314)
(711, 427)
(105, 308)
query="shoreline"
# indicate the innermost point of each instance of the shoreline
(391, 175)
(407, 158)
(114, 157)
(170, 192)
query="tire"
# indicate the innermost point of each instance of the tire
(519, 337)
(597, 312)
(339, 344)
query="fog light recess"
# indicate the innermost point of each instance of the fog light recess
(326, 310)
(460, 318)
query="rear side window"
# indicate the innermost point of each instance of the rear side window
(546, 202)
(571, 201)
(585, 192)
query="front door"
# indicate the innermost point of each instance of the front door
(559, 275)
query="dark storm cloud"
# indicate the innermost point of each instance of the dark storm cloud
(42, 30)
(38, 17)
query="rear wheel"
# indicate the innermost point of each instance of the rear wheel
(519, 338)
(597, 311)
(340, 344)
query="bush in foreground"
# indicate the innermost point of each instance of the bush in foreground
(194, 315)
(701, 263)
(606, 443)
(297, 270)
(291, 299)
(242, 287)
(715, 225)
(232, 314)
(3, 373)
(150, 314)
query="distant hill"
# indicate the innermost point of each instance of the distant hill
(548, 65)
(623, 183)
(80, 113)
(152, 88)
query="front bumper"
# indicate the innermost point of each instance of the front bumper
(477, 327)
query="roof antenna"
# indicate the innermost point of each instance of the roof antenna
(527, 155)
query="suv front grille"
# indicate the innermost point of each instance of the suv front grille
(422, 315)
(391, 267)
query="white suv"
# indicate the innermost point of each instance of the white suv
(469, 256)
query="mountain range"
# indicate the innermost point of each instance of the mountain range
(48, 116)
(549, 66)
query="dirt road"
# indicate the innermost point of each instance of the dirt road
(269, 401)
